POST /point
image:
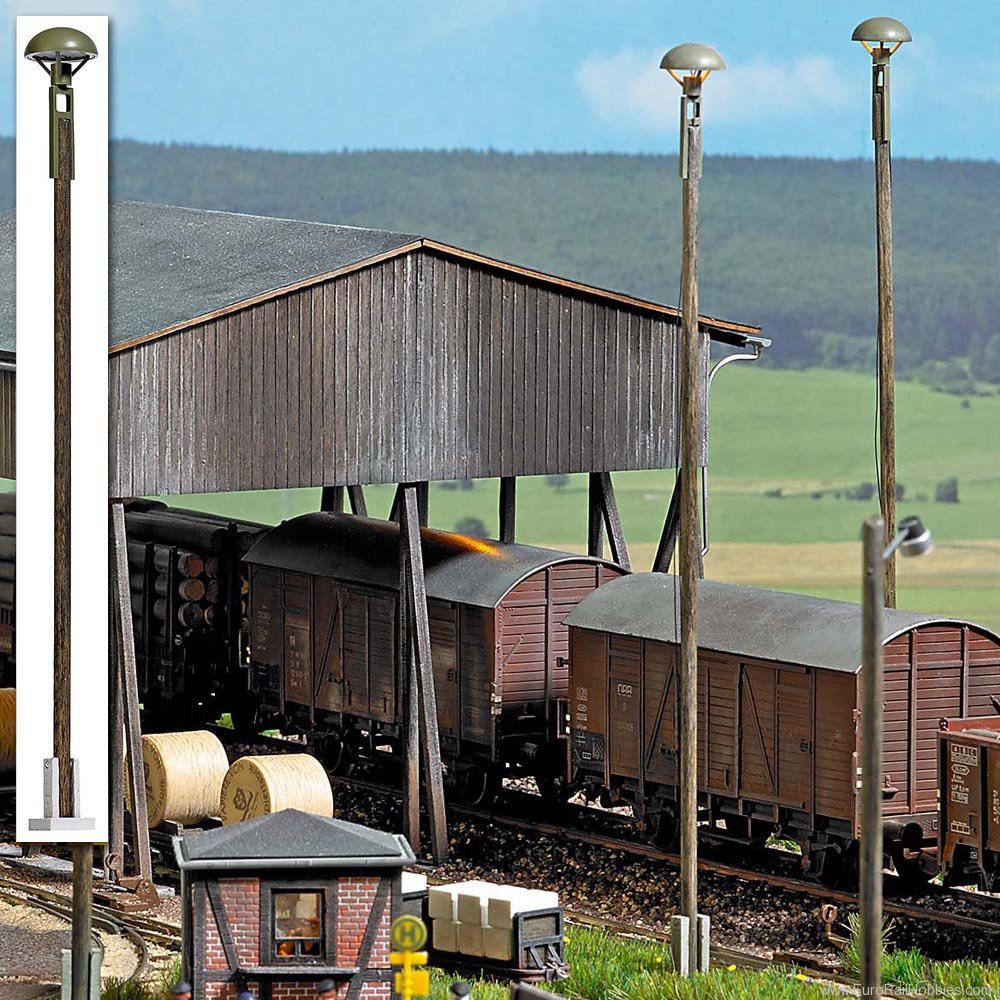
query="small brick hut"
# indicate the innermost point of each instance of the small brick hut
(277, 903)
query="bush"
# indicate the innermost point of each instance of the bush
(473, 526)
(946, 491)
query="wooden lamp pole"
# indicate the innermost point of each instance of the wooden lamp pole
(689, 65)
(62, 52)
(881, 36)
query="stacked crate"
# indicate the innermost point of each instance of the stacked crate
(490, 922)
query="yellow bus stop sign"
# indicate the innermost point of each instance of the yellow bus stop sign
(408, 933)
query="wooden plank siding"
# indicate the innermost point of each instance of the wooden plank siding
(417, 367)
(8, 426)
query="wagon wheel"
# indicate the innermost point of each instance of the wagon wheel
(840, 866)
(553, 789)
(477, 784)
(664, 829)
(338, 753)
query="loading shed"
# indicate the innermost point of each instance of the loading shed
(779, 701)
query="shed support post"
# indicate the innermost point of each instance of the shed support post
(423, 502)
(508, 507)
(332, 499)
(595, 517)
(407, 674)
(128, 688)
(394, 514)
(356, 498)
(612, 520)
(414, 599)
(668, 537)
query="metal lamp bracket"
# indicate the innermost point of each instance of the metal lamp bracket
(880, 94)
(60, 92)
(690, 118)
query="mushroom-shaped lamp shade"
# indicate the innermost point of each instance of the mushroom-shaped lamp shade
(916, 538)
(692, 57)
(882, 30)
(67, 44)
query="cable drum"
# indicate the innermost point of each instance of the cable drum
(8, 732)
(184, 774)
(257, 786)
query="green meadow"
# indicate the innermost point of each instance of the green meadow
(810, 435)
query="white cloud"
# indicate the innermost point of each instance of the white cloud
(628, 88)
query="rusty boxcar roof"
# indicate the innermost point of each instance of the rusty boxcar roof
(746, 621)
(362, 550)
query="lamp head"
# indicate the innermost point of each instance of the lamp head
(67, 45)
(692, 59)
(882, 31)
(917, 539)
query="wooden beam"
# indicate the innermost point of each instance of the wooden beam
(356, 498)
(420, 636)
(394, 514)
(508, 507)
(130, 687)
(612, 521)
(332, 499)
(595, 517)
(668, 537)
(407, 674)
(115, 853)
(423, 502)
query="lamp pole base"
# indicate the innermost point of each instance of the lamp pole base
(52, 822)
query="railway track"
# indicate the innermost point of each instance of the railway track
(141, 931)
(987, 923)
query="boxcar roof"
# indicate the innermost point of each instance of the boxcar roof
(292, 839)
(746, 621)
(362, 550)
(172, 267)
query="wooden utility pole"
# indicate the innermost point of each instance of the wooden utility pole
(62, 341)
(886, 342)
(692, 366)
(873, 547)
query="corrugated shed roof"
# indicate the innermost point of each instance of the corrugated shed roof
(171, 266)
(746, 621)
(366, 551)
(292, 837)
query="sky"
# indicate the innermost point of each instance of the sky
(524, 75)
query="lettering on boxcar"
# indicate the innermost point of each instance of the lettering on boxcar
(965, 754)
(996, 805)
(957, 827)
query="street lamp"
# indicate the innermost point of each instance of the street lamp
(912, 539)
(690, 64)
(62, 53)
(881, 37)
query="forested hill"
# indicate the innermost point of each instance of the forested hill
(787, 243)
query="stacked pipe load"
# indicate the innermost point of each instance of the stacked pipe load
(8, 722)
(257, 786)
(184, 775)
(8, 531)
(187, 592)
(480, 919)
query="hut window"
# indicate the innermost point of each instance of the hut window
(298, 924)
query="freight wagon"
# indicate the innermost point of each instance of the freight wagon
(778, 710)
(324, 594)
(969, 827)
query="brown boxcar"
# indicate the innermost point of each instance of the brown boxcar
(969, 826)
(324, 658)
(779, 705)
